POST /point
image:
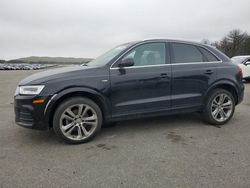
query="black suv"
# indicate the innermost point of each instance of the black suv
(133, 80)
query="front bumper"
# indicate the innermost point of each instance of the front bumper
(30, 115)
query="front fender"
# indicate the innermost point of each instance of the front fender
(57, 98)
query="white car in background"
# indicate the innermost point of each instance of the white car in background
(244, 63)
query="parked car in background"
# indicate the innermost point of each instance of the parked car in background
(24, 66)
(134, 80)
(244, 63)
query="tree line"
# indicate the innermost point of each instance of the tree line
(236, 42)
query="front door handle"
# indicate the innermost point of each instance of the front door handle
(209, 72)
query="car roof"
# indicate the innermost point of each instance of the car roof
(169, 40)
(246, 56)
(211, 48)
(172, 40)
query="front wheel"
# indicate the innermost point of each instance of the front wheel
(77, 120)
(219, 107)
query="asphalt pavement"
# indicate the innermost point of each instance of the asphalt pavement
(174, 151)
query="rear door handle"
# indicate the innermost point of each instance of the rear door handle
(164, 75)
(209, 72)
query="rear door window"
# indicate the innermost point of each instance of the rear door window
(209, 56)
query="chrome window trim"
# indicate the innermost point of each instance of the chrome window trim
(191, 63)
(182, 42)
(206, 62)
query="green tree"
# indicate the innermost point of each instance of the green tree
(245, 50)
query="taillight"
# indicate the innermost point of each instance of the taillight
(240, 72)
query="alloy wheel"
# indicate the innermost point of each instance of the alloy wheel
(78, 121)
(222, 107)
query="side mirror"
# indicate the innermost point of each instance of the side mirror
(128, 62)
(247, 63)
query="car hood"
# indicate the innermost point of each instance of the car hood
(45, 76)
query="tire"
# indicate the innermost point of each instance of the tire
(77, 120)
(216, 112)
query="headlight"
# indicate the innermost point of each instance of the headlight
(29, 90)
(17, 91)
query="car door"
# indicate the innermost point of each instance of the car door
(193, 70)
(145, 86)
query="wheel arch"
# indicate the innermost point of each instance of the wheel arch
(223, 84)
(91, 94)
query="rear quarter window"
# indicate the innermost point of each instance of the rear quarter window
(209, 56)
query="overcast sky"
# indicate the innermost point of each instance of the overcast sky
(86, 28)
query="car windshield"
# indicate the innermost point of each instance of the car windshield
(238, 59)
(106, 57)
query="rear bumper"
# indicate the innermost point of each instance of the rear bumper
(241, 94)
(30, 115)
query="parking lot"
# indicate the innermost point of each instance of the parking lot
(174, 151)
(24, 66)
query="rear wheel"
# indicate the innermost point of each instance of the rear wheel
(77, 120)
(219, 107)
